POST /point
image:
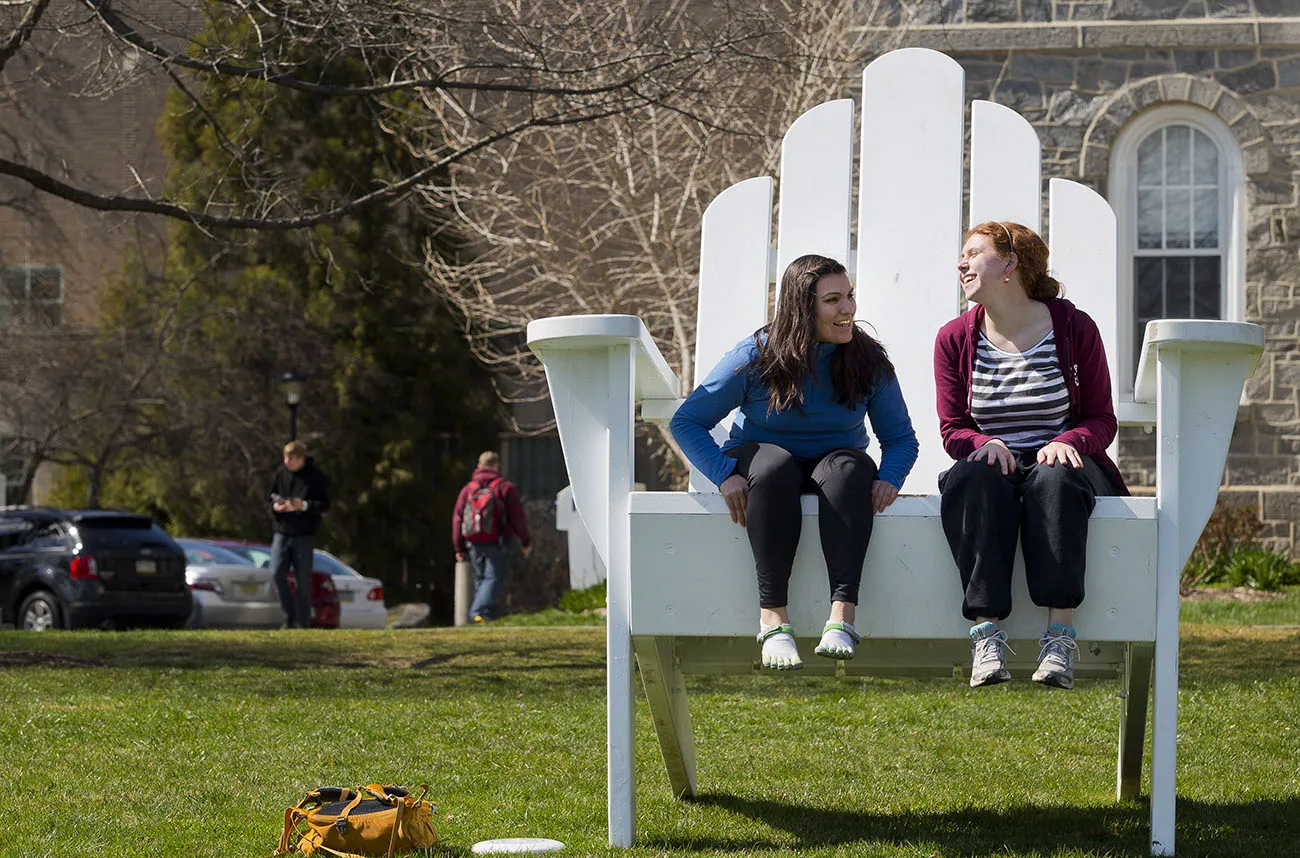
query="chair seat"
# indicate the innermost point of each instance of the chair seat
(693, 573)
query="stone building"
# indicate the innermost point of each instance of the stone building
(1185, 114)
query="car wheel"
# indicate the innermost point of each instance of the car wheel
(40, 613)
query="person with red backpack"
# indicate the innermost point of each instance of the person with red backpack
(487, 514)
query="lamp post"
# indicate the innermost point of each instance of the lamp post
(292, 384)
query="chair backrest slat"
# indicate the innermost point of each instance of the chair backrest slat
(1083, 245)
(909, 224)
(816, 192)
(735, 238)
(1005, 167)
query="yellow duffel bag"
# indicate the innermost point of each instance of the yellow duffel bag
(366, 821)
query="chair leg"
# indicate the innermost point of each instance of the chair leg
(1133, 719)
(666, 693)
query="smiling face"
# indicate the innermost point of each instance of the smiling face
(835, 306)
(980, 269)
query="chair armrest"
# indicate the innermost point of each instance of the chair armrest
(1200, 336)
(654, 379)
(1194, 371)
(659, 410)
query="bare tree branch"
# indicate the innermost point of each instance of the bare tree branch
(23, 31)
(605, 217)
(455, 77)
(120, 203)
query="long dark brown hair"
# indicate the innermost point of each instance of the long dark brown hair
(789, 354)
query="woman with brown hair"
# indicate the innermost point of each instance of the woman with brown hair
(804, 386)
(1025, 408)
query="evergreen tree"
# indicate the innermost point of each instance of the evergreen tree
(396, 407)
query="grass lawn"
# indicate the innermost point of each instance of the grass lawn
(190, 744)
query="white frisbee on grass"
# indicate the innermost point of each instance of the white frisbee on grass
(516, 845)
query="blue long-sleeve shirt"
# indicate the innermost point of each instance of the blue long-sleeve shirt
(821, 426)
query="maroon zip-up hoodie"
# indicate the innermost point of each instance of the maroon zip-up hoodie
(1082, 358)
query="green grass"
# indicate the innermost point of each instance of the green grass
(550, 617)
(191, 744)
(1277, 612)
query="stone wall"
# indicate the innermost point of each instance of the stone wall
(930, 12)
(1079, 70)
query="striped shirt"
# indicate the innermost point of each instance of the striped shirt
(1020, 398)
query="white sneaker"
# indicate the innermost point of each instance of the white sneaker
(988, 661)
(1056, 660)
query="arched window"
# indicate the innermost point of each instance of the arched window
(1177, 190)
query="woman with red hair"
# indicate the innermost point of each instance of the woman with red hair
(1025, 409)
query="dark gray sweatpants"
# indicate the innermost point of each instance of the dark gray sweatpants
(1044, 507)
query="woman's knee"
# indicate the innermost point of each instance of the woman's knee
(1055, 481)
(773, 468)
(977, 478)
(846, 467)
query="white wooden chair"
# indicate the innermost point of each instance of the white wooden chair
(682, 591)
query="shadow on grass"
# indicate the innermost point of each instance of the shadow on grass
(496, 656)
(1262, 827)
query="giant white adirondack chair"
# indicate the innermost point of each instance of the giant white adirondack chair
(682, 591)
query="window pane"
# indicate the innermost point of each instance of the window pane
(1178, 220)
(1151, 165)
(1205, 160)
(1207, 296)
(15, 284)
(45, 285)
(1148, 293)
(1206, 218)
(1148, 296)
(1178, 288)
(45, 315)
(1178, 155)
(1151, 218)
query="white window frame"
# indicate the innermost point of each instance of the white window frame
(1122, 192)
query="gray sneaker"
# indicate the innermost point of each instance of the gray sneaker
(988, 661)
(1056, 660)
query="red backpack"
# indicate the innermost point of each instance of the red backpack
(480, 521)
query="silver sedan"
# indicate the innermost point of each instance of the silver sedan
(228, 590)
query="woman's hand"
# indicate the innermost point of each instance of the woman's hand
(996, 453)
(735, 491)
(1056, 451)
(882, 495)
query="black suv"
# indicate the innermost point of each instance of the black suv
(65, 569)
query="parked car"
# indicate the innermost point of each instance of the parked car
(361, 598)
(67, 569)
(228, 590)
(254, 564)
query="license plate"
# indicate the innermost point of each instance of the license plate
(249, 590)
(146, 567)
(345, 595)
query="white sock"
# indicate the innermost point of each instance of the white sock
(837, 639)
(779, 649)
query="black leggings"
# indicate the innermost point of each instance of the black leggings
(841, 479)
(1044, 507)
